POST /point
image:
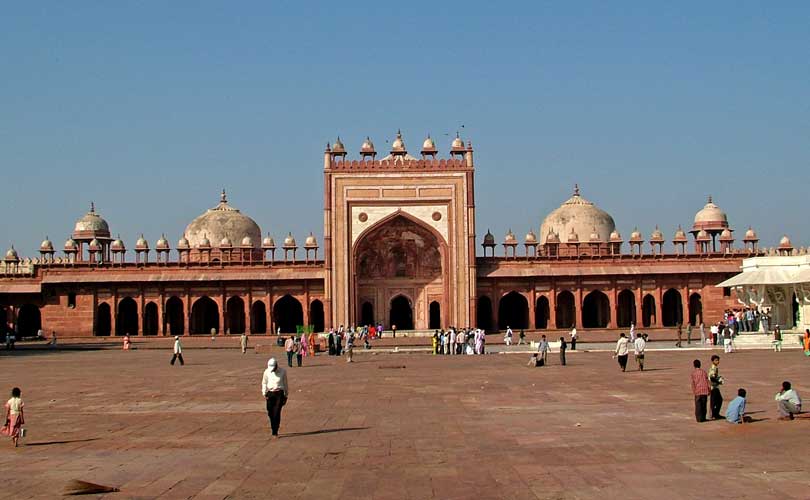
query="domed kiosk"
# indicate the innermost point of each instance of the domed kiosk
(222, 223)
(579, 216)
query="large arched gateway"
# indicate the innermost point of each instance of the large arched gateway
(399, 266)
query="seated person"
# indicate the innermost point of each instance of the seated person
(735, 412)
(788, 402)
(535, 361)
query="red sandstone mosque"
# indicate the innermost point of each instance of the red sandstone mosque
(399, 247)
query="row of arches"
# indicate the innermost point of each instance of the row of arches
(513, 310)
(401, 314)
(204, 317)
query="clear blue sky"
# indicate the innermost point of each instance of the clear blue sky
(150, 108)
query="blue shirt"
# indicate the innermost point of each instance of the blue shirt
(735, 410)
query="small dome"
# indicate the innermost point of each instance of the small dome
(94, 245)
(702, 235)
(311, 241)
(573, 237)
(552, 237)
(338, 147)
(368, 146)
(594, 236)
(269, 242)
(657, 235)
(579, 215)
(399, 145)
(428, 145)
(710, 217)
(91, 225)
(510, 238)
(46, 245)
(219, 222)
(785, 242)
(750, 235)
(489, 239)
(70, 245)
(458, 143)
(225, 242)
(247, 242)
(162, 243)
(289, 241)
(615, 236)
(726, 235)
(680, 235)
(141, 244)
(635, 235)
(182, 243)
(204, 242)
(117, 245)
(530, 237)
(11, 255)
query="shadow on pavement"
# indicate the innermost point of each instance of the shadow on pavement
(324, 431)
(46, 443)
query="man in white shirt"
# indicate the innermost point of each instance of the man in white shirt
(543, 348)
(621, 351)
(508, 337)
(178, 351)
(574, 339)
(452, 335)
(788, 402)
(275, 391)
(632, 332)
(639, 346)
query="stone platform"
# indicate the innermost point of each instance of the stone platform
(399, 427)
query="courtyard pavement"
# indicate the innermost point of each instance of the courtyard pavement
(406, 426)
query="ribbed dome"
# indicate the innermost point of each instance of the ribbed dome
(710, 217)
(530, 237)
(635, 235)
(311, 241)
(247, 242)
(117, 245)
(91, 225)
(368, 146)
(594, 236)
(162, 243)
(657, 235)
(428, 145)
(204, 242)
(457, 144)
(552, 237)
(573, 237)
(398, 144)
(338, 147)
(94, 245)
(141, 244)
(615, 236)
(680, 235)
(289, 241)
(225, 242)
(46, 245)
(702, 235)
(220, 222)
(580, 216)
(489, 238)
(269, 242)
(11, 254)
(750, 234)
(70, 244)
(726, 235)
(182, 243)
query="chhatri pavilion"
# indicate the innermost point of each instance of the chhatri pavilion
(399, 247)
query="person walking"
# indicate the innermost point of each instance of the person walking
(639, 346)
(178, 351)
(563, 347)
(435, 342)
(680, 336)
(788, 402)
(716, 399)
(243, 341)
(507, 339)
(702, 334)
(300, 349)
(700, 389)
(349, 347)
(543, 349)
(522, 337)
(311, 350)
(275, 391)
(632, 332)
(727, 339)
(15, 417)
(452, 335)
(574, 339)
(777, 339)
(621, 352)
(289, 348)
(127, 342)
(330, 341)
(339, 341)
(689, 333)
(806, 342)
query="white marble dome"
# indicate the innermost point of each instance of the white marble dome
(578, 216)
(222, 221)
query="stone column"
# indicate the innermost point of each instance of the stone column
(614, 307)
(248, 311)
(578, 311)
(552, 308)
(533, 309)
(659, 306)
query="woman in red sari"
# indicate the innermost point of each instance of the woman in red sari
(14, 417)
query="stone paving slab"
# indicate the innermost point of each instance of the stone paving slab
(442, 427)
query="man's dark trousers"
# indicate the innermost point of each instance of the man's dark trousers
(700, 408)
(275, 401)
(716, 402)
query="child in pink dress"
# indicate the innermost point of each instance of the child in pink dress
(14, 417)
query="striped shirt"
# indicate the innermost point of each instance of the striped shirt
(700, 382)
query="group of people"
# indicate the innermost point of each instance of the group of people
(459, 341)
(540, 358)
(706, 390)
(622, 350)
(335, 339)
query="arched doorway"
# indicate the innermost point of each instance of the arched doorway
(695, 309)
(103, 320)
(483, 313)
(648, 316)
(399, 253)
(29, 321)
(150, 319)
(258, 317)
(513, 311)
(626, 309)
(236, 316)
(595, 310)
(367, 313)
(672, 310)
(126, 321)
(316, 315)
(204, 316)
(541, 313)
(288, 314)
(566, 309)
(435, 316)
(401, 313)
(175, 319)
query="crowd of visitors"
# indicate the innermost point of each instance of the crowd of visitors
(458, 341)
